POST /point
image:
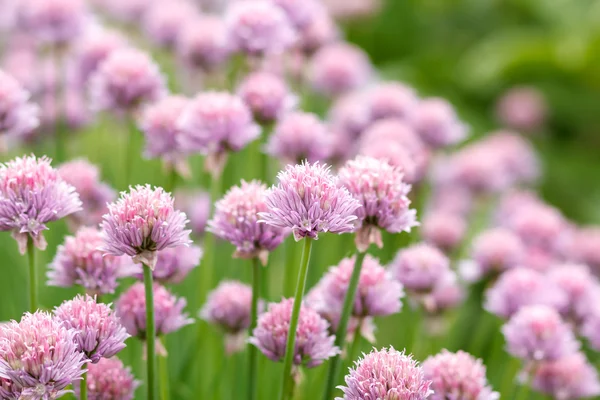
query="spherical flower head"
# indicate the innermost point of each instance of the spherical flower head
(571, 377)
(584, 247)
(580, 287)
(519, 287)
(457, 376)
(313, 345)
(496, 250)
(258, 28)
(236, 220)
(110, 379)
(447, 293)
(320, 31)
(386, 374)
(168, 311)
(163, 24)
(452, 199)
(309, 200)
(94, 194)
(18, 117)
(196, 205)
(383, 194)
(32, 194)
(391, 100)
(81, 261)
(267, 95)
(350, 114)
(436, 122)
(174, 264)
(299, 12)
(538, 225)
(141, 223)
(39, 356)
(300, 136)
(516, 155)
(444, 230)
(98, 331)
(53, 22)
(522, 108)
(126, 80)
(129, 11)
(537, 333)
(92, 50)
(420, 267)
(339, 68)
(203, 42)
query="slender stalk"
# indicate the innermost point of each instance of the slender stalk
(59, 98)
(150, 333)
(83, 389)
(163, 370)
(288, 379)
(340, 339)
(252, 355)
(130, 147)
(33, 278)
(355, 342)
(523, 392)
(206, 278)
(171, 179)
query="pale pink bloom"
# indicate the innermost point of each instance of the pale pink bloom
(109, 379)
(53, 22)
(267, 95)
(164, 24)
(443, 229)
(437, 123)
(522, 108)
(420, 267)
(203, 42)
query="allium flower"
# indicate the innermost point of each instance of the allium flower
(584, 247)
(129, 11)
(94, 194)
(267, 95)
(81, 261)
(299, 12)
(203, 42)
(353, 9)
(174, 264)
(382, 192)
(141, 223)
(258, 28)
(446, 294)
(39, 356)
(300, 136)
(350, 115)
(125, 80)
(163, 24)
(168, 311)
(568, 378)
(339, 68)
(308, 200)
(386, 374)
(110, 379)
(457, 376)
(320, 31)
(53, 22)
(581, 288)
(18, 116)
(443, 229)
(537, 333)
(196, 205)
(496, 250)
(314, 344)
(538, 225)
(516, 155)
(236, 220)
(391, 100)
(522, 108)
(92, 50)
(98, 331)
(452, 199)
(420, 267)
(590, 328)
(436, 122)
(32, 193)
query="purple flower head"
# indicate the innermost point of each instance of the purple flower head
(39, 356)
(581, 288)
(538, 225)
(339, 68)
(174, 264)
(267, 95)
(436, 122)
(98, 331)
(314, 344)
(300, 136)
(18, 117)
(446, 294)
(141, 223)
(584, 247)
(348, 10)
(519, 287)
(308, 200)
(32, 194)
(92, 50)
(496, 250)
(452, 199)
(382, 192)
(571, 377)
(163, 24)
(81, 261)
(458, 376)
(129, 11)
(299, 12)
(420, 267)
(444, 230)
(126, 80)
(168, 311)
(196, 205)
(258, 28)
(386, 374)
(320, 31)
(53, 22)
(94, 194)
(516, 155)
(349, 114)
(203, 42)
(537, 333)
(391, 100)
(109, 379)
(522, 108)
(236, 220)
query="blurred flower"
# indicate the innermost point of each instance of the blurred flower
(581, 288)
(443, 229)
(420, 267)
(109, 379)
(203, 42)
(320, 31)
(164, 24)
(584, 247)
(570, 377)
(352, 9)
(349, 115)
(92, 49)
(53, 22)
(522, 108)
(538, 225)
(391, 100)
(590, 327)
(174, 264)
(515, 154)
(437, 124)
(452, 199)
(299, 12)
(496, 250)
(267, 95)
(18, 116)
(446, 294)
(130, 11)
(32, 193)
(196, 205)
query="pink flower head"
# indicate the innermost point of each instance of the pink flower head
(125, 80)
(299, 12)
(444, 230)
(496, 250)
(571, 377)
(522, 108)
(94, 194)
(18, 117)
(452, 199)
(110, 379)
(515, 154)
(129, 11)
(168, 311)
(98, 331)
(236, 220)
(196, 205)
(314, 344)
(81, 261)
(300, 136)
(420, 267)
(32, 194)
(382, 192)
(339, 68)
(203, 42)
(437, 124)
(163, 24)
(446, 294)
(457, 376)
(584, 247)
(538, 225)
(353, 9)
(39, 356)
(53, 22)
(308, 200)
(320, 31)
(581, 288)
(519, 287)
(258, 28)
(391, 100)
(92, 50)
(537, 333)
(386, 374)
(267, 95)
(349, 114)
(141, 223)
(174, 264)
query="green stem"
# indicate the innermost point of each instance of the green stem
(130, 147)
(523, 392)
(252, 356)
(163, 368)
(171, 179)
(150, 332)
(83, 389)
(61, 112)
(33, 278)
(288, 379)
(340, 339)
(207, 275)
(355, 343)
